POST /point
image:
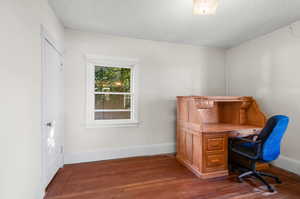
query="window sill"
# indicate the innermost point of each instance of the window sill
(112, 125)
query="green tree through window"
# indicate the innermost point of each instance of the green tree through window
(112, 79)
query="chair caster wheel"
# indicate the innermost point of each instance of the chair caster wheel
(271, 190)
(240, 180)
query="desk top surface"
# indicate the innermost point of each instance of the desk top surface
(223, 127)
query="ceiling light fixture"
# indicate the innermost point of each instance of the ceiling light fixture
(205, 7)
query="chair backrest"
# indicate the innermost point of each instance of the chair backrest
(271, 137)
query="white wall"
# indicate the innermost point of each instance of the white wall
(268, 68)
(20, 85)
(166, 70)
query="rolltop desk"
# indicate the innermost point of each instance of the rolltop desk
(204, 124)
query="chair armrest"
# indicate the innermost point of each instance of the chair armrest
(247, 140)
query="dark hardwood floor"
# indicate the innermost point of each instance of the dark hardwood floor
(158, 177)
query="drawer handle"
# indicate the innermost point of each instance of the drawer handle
(215, 160)
(215, 144)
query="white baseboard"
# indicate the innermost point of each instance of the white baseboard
(288, 164)
(114, 153)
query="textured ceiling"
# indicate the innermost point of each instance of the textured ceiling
(172, 20)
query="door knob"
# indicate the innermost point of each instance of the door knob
(49, 124)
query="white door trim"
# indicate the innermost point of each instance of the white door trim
(45, 37)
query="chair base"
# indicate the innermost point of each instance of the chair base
(258, 175)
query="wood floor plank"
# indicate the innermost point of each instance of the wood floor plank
(159, 177)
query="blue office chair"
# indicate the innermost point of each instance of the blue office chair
(265, 147)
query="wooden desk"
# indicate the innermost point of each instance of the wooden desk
(204, 125)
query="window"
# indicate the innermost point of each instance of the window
(111, 92)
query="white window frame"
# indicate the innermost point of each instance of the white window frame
(97, 60)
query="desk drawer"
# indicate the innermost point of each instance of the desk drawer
(215, 161)
(215, 152)
(215, 142)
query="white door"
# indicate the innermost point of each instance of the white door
(52, 122)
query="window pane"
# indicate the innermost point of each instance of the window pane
(111, 101)
(112, 79)
(112, 115)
